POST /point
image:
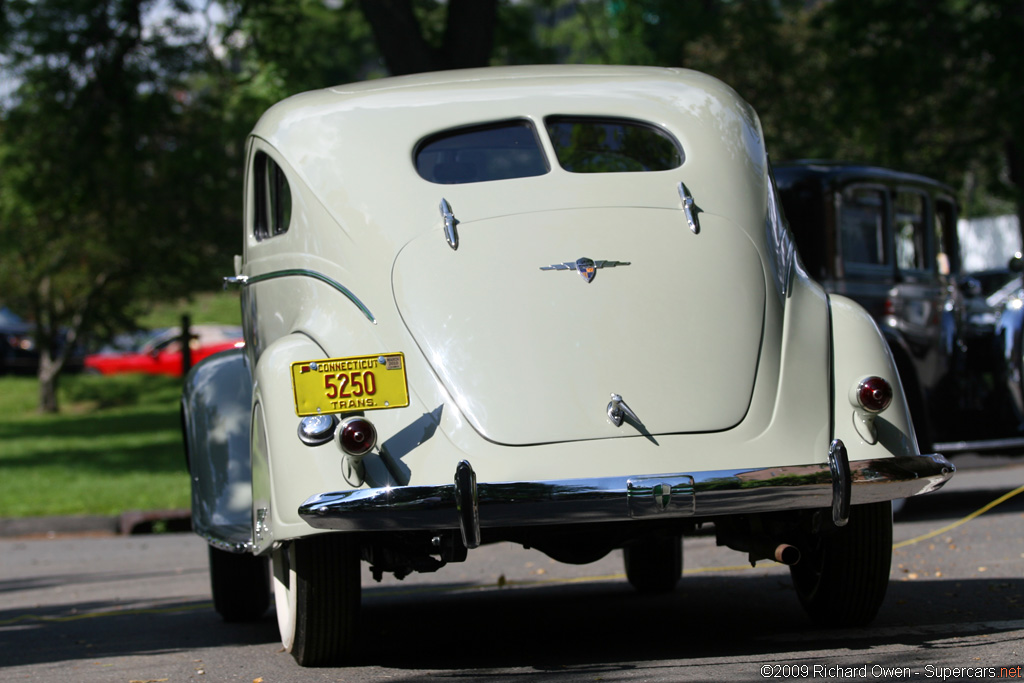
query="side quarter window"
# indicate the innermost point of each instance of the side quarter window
(861, 219)
(911, 233)
(272, 198)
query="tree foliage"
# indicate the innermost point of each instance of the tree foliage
(123, 122)
(930, 86)
(106, 198)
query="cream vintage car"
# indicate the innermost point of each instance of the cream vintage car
(553, 306)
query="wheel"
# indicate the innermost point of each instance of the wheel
(240, 583)
(317, 592)
(841, 577)
(654, 565)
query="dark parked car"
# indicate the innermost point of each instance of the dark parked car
(888, 240)
(997, 317)
(17, 347)
(18, 351)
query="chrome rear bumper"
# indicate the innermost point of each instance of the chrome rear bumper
(468, 505)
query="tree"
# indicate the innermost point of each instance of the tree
(930, 86)
(467, 40)
(107, 199)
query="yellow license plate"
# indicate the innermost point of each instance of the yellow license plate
(339, 385)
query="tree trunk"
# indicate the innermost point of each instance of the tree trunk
(468, 37)
(399, 37)
(49, 371)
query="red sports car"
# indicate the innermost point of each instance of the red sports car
(161, 353)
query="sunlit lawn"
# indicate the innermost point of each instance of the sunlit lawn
(116, 446)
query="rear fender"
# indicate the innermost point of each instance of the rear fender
(216, 408)
(285, 471)
(859, 351)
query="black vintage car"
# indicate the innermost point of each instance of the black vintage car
(18, 351)
(888, 240)
(17, 344)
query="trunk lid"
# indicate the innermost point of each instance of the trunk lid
(533, 356)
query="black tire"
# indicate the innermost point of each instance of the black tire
(240, 583)
(842, 577)
(317, 592)
(654, 565)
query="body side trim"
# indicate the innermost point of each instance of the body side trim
(246, 280)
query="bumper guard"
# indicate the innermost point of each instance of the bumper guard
(469, 505)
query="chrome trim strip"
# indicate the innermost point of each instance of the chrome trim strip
(982, 445)
(222, 542)
(714, 493)
(246, 280)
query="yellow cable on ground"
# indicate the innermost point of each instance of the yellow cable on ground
(959, 522)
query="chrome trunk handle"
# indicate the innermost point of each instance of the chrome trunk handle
(618, 410)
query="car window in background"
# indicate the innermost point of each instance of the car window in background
(499, 151)
(595, 145)
(9, 317)
(862, 226)
(947, 260)
(909, 214)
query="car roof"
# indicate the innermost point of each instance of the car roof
(842, 172)
(353, 146)
(491, 84)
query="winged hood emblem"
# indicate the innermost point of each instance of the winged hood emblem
(586, 267)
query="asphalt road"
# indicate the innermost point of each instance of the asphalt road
(137, 608)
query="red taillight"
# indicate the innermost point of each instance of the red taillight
(874, 394)
(356, 435)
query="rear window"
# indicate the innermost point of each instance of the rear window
(600, 145)
(498, 151)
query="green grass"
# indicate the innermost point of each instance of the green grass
(221, 308)
(116, 446)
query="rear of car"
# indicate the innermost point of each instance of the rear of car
(557, 306)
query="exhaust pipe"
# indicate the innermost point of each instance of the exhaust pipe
(787, 554)
(783, 553)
